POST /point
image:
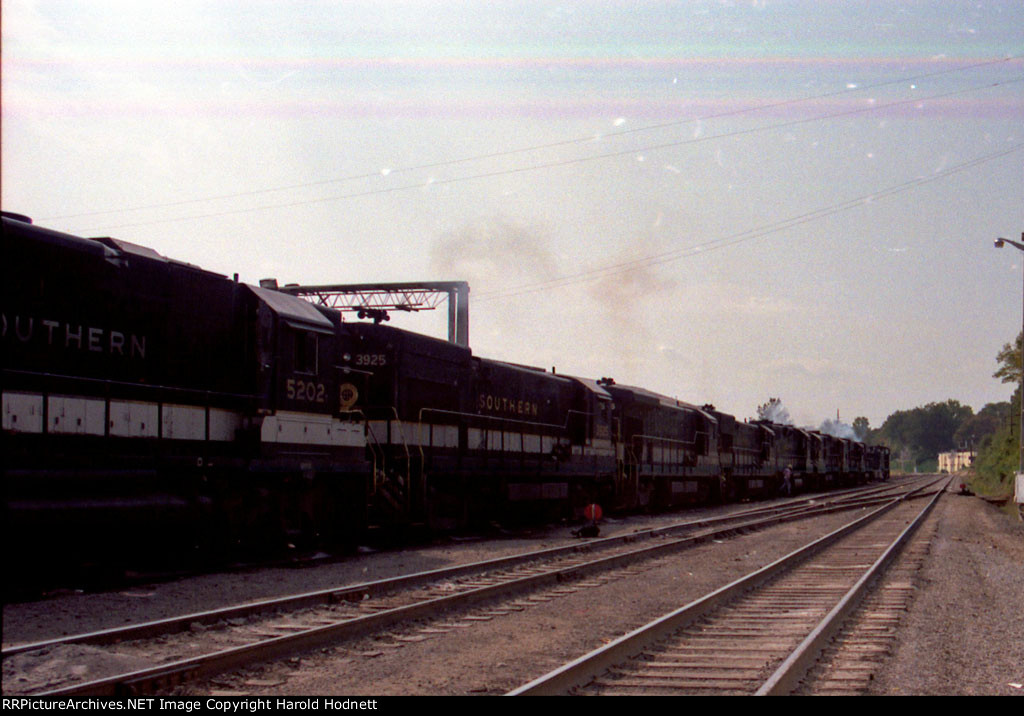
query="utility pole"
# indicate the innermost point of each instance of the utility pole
(1000, 242)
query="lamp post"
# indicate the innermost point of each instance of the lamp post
(1000, 242)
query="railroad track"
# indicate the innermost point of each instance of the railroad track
(763, 633)
(849, 664)
(160, 655)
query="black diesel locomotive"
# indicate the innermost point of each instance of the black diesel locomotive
(149, 402)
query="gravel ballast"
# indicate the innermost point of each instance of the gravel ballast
(963, 633)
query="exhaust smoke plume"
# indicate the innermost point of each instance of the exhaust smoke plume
(837, 429)
(489, 252)
(775, 412)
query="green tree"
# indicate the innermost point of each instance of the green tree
(976, 432)
(922, 433)
(861, 428)
(1009, 362)
(998, 458)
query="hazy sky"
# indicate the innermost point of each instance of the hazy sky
(720, 201)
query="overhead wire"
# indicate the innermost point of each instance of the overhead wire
(742, 236)
(510, 152)
(562, 162)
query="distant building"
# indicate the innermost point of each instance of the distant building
(955, 461)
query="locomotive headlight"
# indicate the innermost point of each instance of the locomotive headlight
(347, 357)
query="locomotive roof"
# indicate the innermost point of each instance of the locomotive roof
(16, 225)
(777, 427)
(418, 343)
(665, 400)
(115, 251)
(529, 370)
(295, 311)
(593, 386)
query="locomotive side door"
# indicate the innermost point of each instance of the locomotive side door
(266, 355)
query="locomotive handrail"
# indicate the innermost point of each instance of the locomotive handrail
(477, 416)
(754, 451)
(493, 418)
(361, 417)
(656, 438)
(373, 482)
(377, 482)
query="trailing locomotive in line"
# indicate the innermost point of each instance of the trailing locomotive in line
(147, 402)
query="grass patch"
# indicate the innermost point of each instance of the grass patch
(993, 486)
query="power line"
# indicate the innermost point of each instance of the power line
(523, 150)
(740, 237)
(558, 163)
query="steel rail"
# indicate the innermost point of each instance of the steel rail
(355, 592)
(169, 674)
(588, 667)
(796, 665)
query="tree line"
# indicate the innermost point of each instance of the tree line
(917, 436)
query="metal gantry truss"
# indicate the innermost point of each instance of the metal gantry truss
(375, 300)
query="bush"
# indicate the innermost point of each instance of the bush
(997, 464)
